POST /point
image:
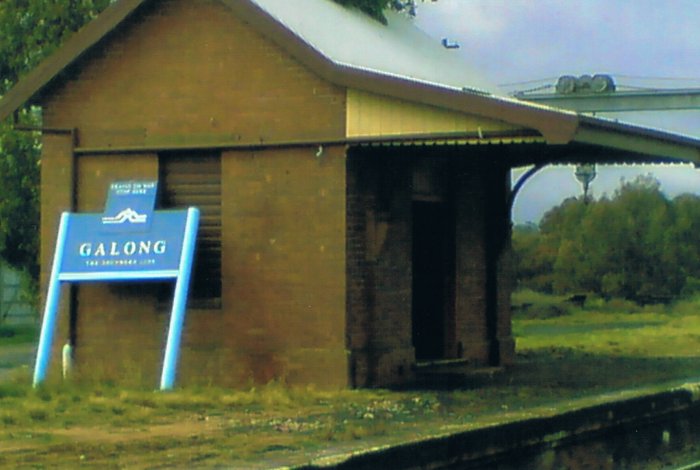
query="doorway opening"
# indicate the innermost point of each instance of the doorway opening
(433, 280)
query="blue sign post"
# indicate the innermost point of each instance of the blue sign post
(129, 241)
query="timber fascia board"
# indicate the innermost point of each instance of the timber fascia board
(637, 140)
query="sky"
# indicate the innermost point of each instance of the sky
(524, 44)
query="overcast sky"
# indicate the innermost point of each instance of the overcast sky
(523, 44)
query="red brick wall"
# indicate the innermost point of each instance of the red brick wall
(470, 285)
(505, 273)
(382, 184)
(284, 276)
(379, 267)
(56, 196)
(484, 271)
(57, 176)
(189, 74)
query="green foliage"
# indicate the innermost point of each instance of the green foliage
(32, 29)
(533, 259)
(374, 8)
(638, 245)
(17, 334)
(29, 31)
(19, 196)
(531, 304)
(691, 288)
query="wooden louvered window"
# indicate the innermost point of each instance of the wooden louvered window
(193, 179)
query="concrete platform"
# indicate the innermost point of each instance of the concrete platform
(478, 448)
(453, 374)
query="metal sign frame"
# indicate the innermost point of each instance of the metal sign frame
(181, 273)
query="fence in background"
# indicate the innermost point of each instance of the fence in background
(13, 307)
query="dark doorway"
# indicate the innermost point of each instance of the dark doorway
(433, 280)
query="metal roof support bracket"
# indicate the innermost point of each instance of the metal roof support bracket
(521, 181)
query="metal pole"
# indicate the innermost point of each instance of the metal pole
(177, 315)
(48, 326)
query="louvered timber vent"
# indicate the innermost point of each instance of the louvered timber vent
(194, 179)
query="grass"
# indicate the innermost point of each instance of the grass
(216, 426)
(17, 334)
(567, 356)
(615, 328)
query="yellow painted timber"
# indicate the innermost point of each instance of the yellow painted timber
(370, 115)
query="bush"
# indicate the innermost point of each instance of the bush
(530, 304)
(691, 287)
(621, 305)
(17, 334)
(548, 311)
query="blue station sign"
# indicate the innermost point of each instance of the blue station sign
(130, 240)
(91, 253)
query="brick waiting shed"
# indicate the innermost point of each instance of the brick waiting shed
(354, 180)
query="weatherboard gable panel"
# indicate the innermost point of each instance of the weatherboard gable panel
(371, 115)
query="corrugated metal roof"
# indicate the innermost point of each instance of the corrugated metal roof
(351, 38)
(397, 60)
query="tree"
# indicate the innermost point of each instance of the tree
(637, 244)
(19, 197)
(648, 254)
(29, 31)
(375, 8)
(686, 236)
(32, 29)
(533, 258)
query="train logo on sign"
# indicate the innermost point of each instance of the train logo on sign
(127, 215)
